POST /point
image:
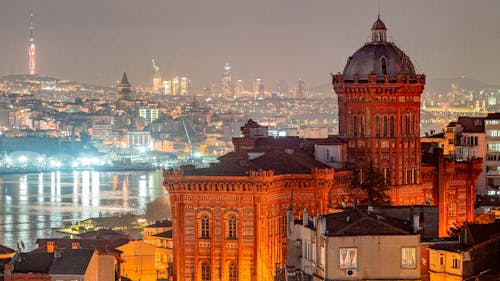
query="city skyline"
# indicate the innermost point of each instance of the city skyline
(95, 41)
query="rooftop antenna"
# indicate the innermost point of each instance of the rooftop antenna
(378, 9)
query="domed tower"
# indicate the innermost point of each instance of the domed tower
(379, 110)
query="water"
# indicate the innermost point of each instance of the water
(31, 205)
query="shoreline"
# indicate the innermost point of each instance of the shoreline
(17, 171)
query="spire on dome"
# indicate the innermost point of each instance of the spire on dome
(379, 31)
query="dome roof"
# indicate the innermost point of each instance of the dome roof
(378, 57)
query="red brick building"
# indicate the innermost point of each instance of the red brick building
(229, 220)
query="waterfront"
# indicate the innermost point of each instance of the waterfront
(32, 205)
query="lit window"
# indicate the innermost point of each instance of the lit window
(408, 258)
(205, 227)
(205, 271)
(348, 258)
(231, 224)
(233, 271)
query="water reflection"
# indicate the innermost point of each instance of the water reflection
(32, 205)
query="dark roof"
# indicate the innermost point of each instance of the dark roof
(368, 60)
(330, 140)
(6, 250)
(71, 262)
(66, 243)
(495, 115)
(471, 124)
(355, 222)
(484, 232)
(453, 247)
(37, 262)
(163, 223)
(292, 161)
(165, 234)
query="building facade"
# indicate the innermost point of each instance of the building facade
(229, 220)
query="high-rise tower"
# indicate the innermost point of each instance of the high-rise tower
(157, 80)
(31, 50)
(379, 110)
(227, 82)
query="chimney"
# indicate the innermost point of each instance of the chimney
(57, 254)
(322, 225)
(416, 222)
(370, 209)
(305, 218)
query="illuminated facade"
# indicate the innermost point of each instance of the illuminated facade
(379, 116)
(31, 50)
(149, 114)
(239, 88)
(232, 215)
(258, 88)
(229, 220)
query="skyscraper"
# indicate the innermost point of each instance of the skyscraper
(227, 82)
(239, 88)
(301, 90)
(31, 50)
(157, 80)
(258, 88)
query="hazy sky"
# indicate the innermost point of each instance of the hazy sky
(96, 40)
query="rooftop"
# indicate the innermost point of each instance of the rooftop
(71, 262)
(162, 223)
(356, 221)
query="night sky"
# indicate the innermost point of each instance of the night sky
(96, 40)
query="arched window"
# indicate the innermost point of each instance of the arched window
(205, 227)
(205, 271)
(385, 126)
(412, 125)
(355, 127)
(401, 124)
(362, 121)
(392, 126)
(233, 271)
(408, 126)
(377, 126)
(383, 64)
(231, 227)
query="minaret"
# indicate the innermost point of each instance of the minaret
(31, 50)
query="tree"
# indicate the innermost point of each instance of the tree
(375, 187)
(158, 209)
(455, 231)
